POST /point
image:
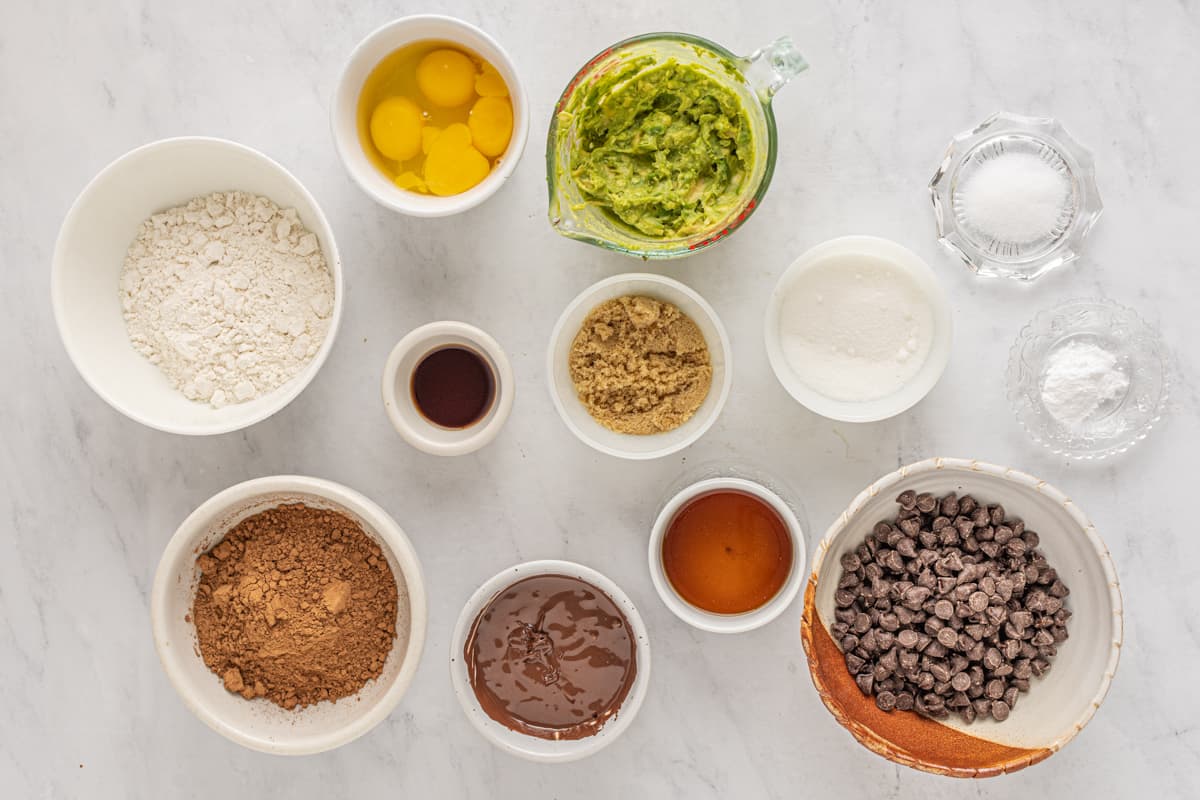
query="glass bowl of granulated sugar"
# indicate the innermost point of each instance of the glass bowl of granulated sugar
(196, 285)
(1015, 197)
(1088, 378)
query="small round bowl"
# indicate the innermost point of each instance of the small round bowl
(1000, 134)
(344, 112)
(259, 724)
(401, 409)
(1057, 705)
(90, 253)
(533, 748)
(1117, 425)
(727, 623)
(911, 392)
(562, 388)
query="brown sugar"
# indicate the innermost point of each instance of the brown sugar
(640, 366)
(296, 604)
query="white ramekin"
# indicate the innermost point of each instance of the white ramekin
(727, 623)
(90, 253)
(562, 388)
(533, 748)
(258, 724)
(911, 392)
(397, 389)
(344, 112)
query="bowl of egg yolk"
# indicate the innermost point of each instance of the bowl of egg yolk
(429, 116)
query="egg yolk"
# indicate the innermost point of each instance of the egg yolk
(453, 165)
(446, 78)
(489, 83)
(411, 180)
(491, 124)
(396, 128)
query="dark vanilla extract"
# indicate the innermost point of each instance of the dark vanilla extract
(453, 387)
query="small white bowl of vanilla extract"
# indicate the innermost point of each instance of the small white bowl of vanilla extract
(448, 388)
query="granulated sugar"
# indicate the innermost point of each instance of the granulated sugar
(855, 328)
(1015, 197)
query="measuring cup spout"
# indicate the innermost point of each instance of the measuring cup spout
(769, 68)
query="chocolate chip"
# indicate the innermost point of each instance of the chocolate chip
(948, 607)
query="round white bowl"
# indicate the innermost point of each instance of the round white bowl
(260, 724)
(533, 748)
(562, 388)
(911, 392)
(727, 623)
(1058, 704)
(90, 253)
(398, 402)
(344, 112)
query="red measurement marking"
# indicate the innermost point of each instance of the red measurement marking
(719, 236)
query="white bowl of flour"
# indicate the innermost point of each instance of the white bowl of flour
(858, 329)
(196, 285)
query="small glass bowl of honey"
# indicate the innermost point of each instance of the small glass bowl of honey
(727, 553)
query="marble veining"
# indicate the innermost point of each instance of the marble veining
(91, 498)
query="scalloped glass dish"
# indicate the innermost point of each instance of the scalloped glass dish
(1117, 424)
(1005, 135)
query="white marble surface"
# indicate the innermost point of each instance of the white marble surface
(91, 498)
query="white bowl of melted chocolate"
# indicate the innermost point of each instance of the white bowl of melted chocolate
(550, 660)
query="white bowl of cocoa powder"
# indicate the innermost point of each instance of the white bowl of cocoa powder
(289, 613)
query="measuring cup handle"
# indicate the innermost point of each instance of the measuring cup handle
(769, 68)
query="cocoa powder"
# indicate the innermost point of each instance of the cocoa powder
(295, 604)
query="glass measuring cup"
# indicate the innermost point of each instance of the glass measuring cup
(754, 79)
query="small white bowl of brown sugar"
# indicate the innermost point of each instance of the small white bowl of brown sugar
(639, 366)
(289, 613)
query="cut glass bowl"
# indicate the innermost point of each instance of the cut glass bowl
(1025, 259)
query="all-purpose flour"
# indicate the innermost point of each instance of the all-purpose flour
(855, 328)
(229, 295)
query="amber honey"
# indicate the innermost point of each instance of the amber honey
(727, 552)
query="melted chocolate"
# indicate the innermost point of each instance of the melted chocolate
(551, 656)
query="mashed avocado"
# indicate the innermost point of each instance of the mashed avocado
(666, 150)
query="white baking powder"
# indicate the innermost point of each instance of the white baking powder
(1015, 197)
(229, 295)
(1078, 379)
(855, 328)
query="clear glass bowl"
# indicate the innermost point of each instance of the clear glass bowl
(754, 78)
(1006, 134)
(1117, 424)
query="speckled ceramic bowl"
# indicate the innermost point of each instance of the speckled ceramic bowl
(1057, 705)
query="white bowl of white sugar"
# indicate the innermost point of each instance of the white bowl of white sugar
(196, 285)
(858, 329)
